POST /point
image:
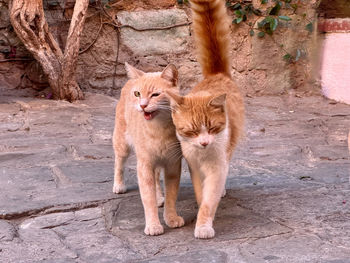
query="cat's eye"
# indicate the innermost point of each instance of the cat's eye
(188, 133)
(215, 129)
(155, 94)
(212, 130)
(191, 134)
(137, 93)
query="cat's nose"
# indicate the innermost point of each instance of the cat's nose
(204, 144)
(143, 106)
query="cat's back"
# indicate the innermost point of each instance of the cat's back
(120, 122)
(218, 84)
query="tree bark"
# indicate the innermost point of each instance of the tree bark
(28, 20)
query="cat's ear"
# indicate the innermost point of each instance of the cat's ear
(170, 74)
(218, 101)
(175, 99)
(133, 73)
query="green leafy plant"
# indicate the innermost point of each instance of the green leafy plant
(269, 20)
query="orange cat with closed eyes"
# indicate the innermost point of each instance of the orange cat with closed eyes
(209, 120)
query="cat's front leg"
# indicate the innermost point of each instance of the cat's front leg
(196, 180)
(121, 153)
(213, 186)
(118, 184)
(159, 193)
(172, 181)
(147, 186)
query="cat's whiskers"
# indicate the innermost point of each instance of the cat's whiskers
(164, 105)
(175, 155)
(163, 108)
(174, 144)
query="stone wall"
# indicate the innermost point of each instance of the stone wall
(258, 63)
(334, 8)
(257, 66)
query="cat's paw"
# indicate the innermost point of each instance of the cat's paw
(223, 193)
(119, 188)
(160, 201)
(154, 230)
(204, 232)
(174, 221)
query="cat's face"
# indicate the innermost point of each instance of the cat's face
(148, 90)
(199, 121)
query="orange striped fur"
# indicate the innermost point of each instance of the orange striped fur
(210, 119)
(211, 28)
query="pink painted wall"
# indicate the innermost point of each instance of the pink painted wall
(335, 71)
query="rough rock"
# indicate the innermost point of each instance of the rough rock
(287, 198)
(154, 42)
(7, 231)
(257, 64)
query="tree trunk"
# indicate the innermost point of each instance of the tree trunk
(28, 20)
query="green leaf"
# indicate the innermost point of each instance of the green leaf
(310, 27)
(275, 10)
(268, 24)
(285, 18)
(239, 20)
(261, 34)
(247, 8)
(273, 24)
(107, 6)
(287, 56)
(268, 31)
(239, 12)
(262, 23)
(257, 12)
(236, 6)
(297, 56)
(234, 21)
(251, 32)
(264, 1)
(269, 19)
(294, 6)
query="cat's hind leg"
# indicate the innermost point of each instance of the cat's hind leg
(172, 175)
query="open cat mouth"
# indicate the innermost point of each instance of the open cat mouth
(149, 115)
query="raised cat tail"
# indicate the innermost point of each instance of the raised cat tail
(211, 27)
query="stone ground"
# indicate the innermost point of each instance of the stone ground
(288, 197)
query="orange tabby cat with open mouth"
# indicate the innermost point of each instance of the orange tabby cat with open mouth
(143, 121)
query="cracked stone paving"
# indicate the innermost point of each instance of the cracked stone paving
(288, 196)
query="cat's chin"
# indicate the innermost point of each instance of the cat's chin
(149, 115)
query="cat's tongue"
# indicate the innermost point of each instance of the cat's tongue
(149, 115)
